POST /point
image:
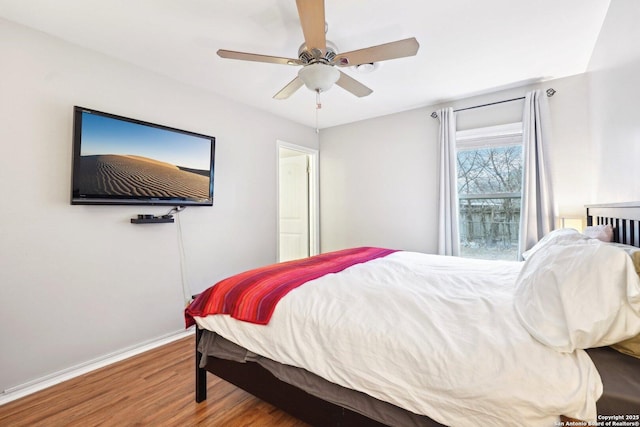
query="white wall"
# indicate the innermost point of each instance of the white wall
(81, 282)
(615, 107)
(379, 176)
(376, 185)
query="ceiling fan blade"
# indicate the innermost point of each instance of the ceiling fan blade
(311, 13)
(352, 85)
(231, 54)
(383, 52)
(289, 89)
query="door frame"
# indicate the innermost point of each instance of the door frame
(314, 195)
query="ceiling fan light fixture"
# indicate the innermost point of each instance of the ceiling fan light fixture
(319, 77)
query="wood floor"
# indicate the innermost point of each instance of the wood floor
(155, 388)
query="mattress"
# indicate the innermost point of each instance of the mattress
(620, 376)
(619, 373)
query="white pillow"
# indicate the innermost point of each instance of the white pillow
(600, 232)
(579, 294)
(556, 236)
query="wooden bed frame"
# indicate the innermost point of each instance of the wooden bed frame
(623, 217)
(253, 378)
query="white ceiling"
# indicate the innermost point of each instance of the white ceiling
(467, 47)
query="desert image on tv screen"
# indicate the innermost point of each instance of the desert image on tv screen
(125, 159)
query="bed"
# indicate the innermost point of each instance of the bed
(566, 381)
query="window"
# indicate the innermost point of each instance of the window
(489, 191)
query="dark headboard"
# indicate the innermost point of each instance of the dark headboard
(623, 217)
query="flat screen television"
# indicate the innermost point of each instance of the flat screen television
(123, 161)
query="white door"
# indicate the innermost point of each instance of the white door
(293, 204)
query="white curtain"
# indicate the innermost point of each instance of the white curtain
(537, 214)
(448, 233)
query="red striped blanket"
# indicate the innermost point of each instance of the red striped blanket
(252, 296)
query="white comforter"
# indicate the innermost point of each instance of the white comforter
(405, 330)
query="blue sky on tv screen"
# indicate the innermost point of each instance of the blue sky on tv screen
(105, 135)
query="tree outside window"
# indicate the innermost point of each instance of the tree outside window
(489, 192)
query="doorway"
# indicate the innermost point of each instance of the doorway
(297, 202)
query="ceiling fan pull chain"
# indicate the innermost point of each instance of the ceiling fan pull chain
(318, 107)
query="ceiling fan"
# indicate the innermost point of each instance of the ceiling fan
(318, 57)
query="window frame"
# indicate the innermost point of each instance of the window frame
(505, 135)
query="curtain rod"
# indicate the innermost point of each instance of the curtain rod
(550, 93)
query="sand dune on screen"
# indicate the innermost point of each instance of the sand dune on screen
(119, 175)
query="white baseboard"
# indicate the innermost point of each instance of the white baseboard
(38, 384)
